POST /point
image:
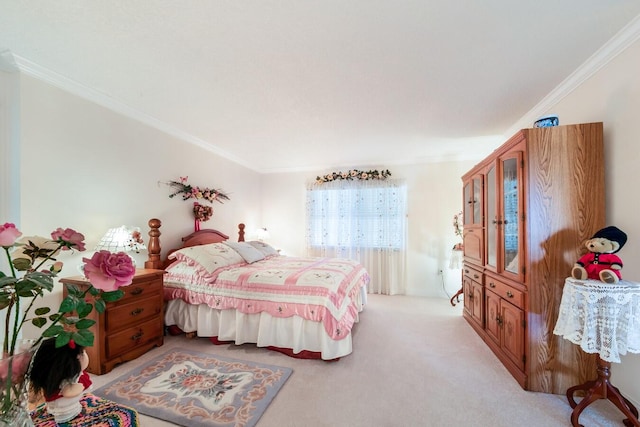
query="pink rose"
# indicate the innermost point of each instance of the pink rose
(108, 271)
(69, 238)
(8, 234)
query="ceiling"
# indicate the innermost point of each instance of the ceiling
(287, 85)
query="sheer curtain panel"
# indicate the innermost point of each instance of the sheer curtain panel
(364, 220)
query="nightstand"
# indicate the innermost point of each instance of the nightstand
(128, 327)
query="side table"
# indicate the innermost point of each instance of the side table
(130, 326)
(601, 318)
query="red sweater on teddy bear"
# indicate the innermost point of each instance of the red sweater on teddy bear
(594, 263)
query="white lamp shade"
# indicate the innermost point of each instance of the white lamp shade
(121, 239)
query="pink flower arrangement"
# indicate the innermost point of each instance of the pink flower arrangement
(189, 191)
(201, 212)
(33, 267)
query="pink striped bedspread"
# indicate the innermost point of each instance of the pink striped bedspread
(319, 289)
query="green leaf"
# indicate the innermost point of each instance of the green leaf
(42, 311)
(63, 339)
(84, 308)
(71, 320)
(39, 322)
(74, 290)
(85, 323)
(112, 296)
(40, 279)
(83, 337)
(69, 304)
(7, 281)
(52, 331)
(101, 306)
(25, 288)
(93, 291)
(22, 264)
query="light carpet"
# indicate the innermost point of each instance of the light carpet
(196, 389)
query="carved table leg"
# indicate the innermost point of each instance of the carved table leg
(456, 297)
(601, 388)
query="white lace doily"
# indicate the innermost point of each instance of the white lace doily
(601, 318)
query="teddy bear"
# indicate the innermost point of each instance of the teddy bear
(601, 263)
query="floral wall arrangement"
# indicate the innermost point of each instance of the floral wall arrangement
(188, 191)
(354, 174)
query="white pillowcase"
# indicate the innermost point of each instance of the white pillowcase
(246, 251)
(265, 248)
(208, 257)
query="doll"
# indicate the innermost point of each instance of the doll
(59, 374)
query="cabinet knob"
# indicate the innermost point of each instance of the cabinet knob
(137, 291)
(137, 336)
(492, 285)
(475, 276)
(509, 294)
(136, 311)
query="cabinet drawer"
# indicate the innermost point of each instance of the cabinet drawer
(132, 337)
(140, 289)
(136, 311)
(472, 273)
(508, 293)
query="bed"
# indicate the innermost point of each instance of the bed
(246, 292)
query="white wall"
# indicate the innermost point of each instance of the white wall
(88, 168)
(434, 195)
(612, 96)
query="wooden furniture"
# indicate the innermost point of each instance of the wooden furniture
(128, 327)
(528, 208)
(221, 290)
(601, 318)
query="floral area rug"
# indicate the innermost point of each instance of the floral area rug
(197, 389)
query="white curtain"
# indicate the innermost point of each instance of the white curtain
(364, 220)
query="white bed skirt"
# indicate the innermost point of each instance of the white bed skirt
(262, 329)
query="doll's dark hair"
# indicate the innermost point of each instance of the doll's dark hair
(51, 366)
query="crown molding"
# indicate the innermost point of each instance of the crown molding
(92, 95)
(618, 44)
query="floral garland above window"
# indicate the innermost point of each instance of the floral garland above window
(354, 174)
(194, 192)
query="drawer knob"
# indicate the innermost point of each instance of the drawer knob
(492, 285)
(136, 311)
(137, 291)
(475, 276)
(137, 336)
(509, 294)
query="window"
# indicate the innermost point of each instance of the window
(362, 214)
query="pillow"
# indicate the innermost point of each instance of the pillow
(265, 248)
(182, 275)
(208, 257)
(246, 251)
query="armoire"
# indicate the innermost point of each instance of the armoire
(528, 209)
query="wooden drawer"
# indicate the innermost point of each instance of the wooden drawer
(136, 311)
(132, 337)
(140, 289)
(472, 273)
(506, 292)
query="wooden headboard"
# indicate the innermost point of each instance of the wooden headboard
(200, 237)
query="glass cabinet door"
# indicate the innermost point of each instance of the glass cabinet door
(511, 205)
(468, 204)
(492, 218)
(473, 201)
(477, 200)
